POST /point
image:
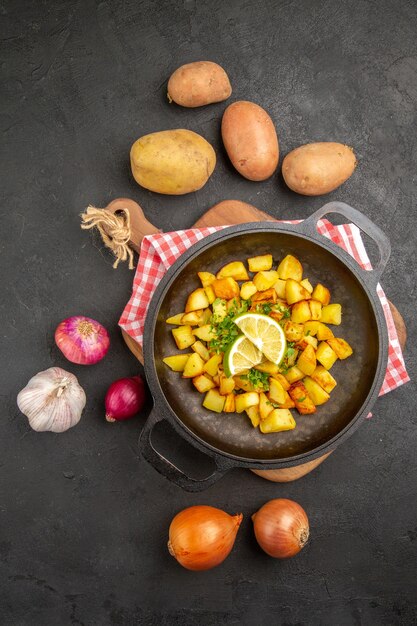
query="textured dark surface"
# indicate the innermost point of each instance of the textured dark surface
(83, 520)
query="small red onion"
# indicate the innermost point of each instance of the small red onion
(125, 398)
(82, 340)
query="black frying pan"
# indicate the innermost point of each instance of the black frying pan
(229, 438)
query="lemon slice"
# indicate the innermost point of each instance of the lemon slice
(265, 333)
(240, 356)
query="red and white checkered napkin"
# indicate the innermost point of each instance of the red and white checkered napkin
(158, 252)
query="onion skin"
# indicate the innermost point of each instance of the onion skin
(281, 528)
(201, 537)
(125, 398)
(82, 340)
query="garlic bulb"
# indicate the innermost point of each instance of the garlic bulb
(52, 400)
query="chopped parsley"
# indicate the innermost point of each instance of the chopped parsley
(286, 313)
(274, 404)
(290, 348)
(225, 329)
(301, 399)
(264, 307)
(267, 307)
(286, 362)
(257, 379)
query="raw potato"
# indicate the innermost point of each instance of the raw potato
(318, 168)
(250, 139)
(199, 83)
(172, 161)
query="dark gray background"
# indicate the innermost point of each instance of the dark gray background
(83, 519)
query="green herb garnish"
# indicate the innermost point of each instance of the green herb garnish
(264, 307)
(286, 313)
(258, 379)
(276, 406)
(285, 365)
(225, 329)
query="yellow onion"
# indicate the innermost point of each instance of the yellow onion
(201, 537)
(281, 528)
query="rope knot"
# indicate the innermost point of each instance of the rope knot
(114, 229)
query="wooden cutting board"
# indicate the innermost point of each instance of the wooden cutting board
(227, 212)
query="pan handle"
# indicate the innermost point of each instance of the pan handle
(309, 227)
(165, 467)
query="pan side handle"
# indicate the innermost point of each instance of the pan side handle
(309, 227)
(165, 467)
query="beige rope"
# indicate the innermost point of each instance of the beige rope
(114, 230)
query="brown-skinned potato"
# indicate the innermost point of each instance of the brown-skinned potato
(199, 83)
(318, 168)
(250, 139)
(172, 162)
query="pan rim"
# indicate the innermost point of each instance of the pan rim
(160, 401)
